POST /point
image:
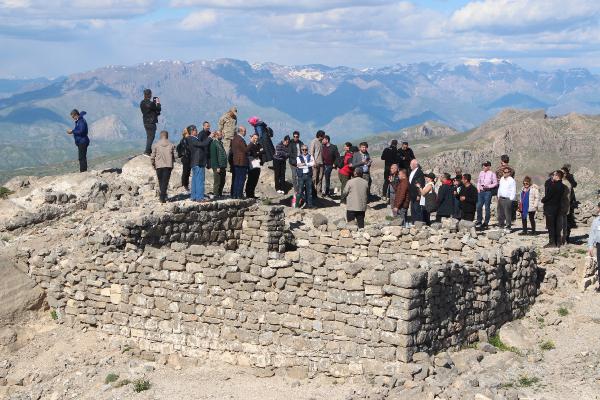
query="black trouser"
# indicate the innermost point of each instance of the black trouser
(163, 174)
(358, 215)
(416, 211)
(150, 134)
(219, 181)
(426, 216)
(531, 221)
(598, 260)
(386, 182)
(554, 225)
(252, 181)
(279, 171)
(185, 174)
(82, 157)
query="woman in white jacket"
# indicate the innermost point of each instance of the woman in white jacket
(529, 201)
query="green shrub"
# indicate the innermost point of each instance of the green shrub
(525, 381)
(54, 315)
(500, 345)
(547, 345)
(140, 385)
(110, 378)
(563, 312)
(5, 192)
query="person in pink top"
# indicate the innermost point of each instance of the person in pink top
(486, 183)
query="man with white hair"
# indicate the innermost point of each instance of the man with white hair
(416, 179)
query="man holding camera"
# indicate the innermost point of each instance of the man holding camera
(150, 108)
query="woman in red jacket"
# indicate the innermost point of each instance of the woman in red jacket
(345, 171)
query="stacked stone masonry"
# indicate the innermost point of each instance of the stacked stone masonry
(341, 302)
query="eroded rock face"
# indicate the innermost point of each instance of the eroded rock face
(18, 293)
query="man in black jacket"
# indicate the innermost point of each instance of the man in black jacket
(390, 157)
(294, 151)
(552, 207)
(405, 156)
(150, 108)
(198, 145)
(416, 176)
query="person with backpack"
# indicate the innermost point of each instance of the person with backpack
(390, 157)
(343, 164)
(151, 109)
(162, 157)
(330, 154)
(445, 199)
(218, 163)
(184, 154)
(279, 159)
(80, 134)
(304, 168)
(428, 198)
(265, 134)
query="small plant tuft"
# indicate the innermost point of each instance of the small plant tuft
(110, 378)
(547, 345)
(140, 385)
(541, 322)
(563, 311)
(5, 192)
(54, 315)
(525, 381)
(125, 349)
(500, 345)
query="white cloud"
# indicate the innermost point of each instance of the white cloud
(518, 16)
(199, 20)
(279, 5)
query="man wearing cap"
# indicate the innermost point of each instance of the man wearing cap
(594, 241)
(486, 183)
(390, 157)
(405, 156)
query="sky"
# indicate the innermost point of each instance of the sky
(58, 37)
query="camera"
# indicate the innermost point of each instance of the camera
(154, 99)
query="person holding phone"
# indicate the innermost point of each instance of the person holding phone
(80, 134)
(151, 109)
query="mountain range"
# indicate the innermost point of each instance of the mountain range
(347, 103)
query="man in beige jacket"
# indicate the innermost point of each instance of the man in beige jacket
(162, 157)
(356, 194)
(228, 127)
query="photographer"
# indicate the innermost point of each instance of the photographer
(150, 108)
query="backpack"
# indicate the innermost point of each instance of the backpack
(183, 151)
(431, 204)
(339, 161)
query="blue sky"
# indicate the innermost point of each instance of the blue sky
(58, 37)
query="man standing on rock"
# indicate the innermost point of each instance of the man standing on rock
(80, 134)
(330, 154)
(389, 156)
(151, 109)
(199, 145)
(240, 163)
(362, 160)
(356, 194)
(294, 150)
(218, 163)
(486, 183)
(405, 156)
(468, 198)
(552, 201)
(401, 200)
(227, 126)
(316, 151)
(416, 179)
(507, 193)
(594, 241)
(162, 158)
(305, 164)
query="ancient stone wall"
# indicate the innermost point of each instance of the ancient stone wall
(342, 303)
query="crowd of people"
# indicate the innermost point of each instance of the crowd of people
(413, 195)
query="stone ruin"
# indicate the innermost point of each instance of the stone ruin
(230, 281)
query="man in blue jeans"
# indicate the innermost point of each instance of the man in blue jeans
(304, 165)
(486, 183)
(198, 145)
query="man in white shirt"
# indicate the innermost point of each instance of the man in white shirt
(507, 192)
(305, 164)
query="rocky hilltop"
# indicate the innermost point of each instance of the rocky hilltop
(107, 292)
